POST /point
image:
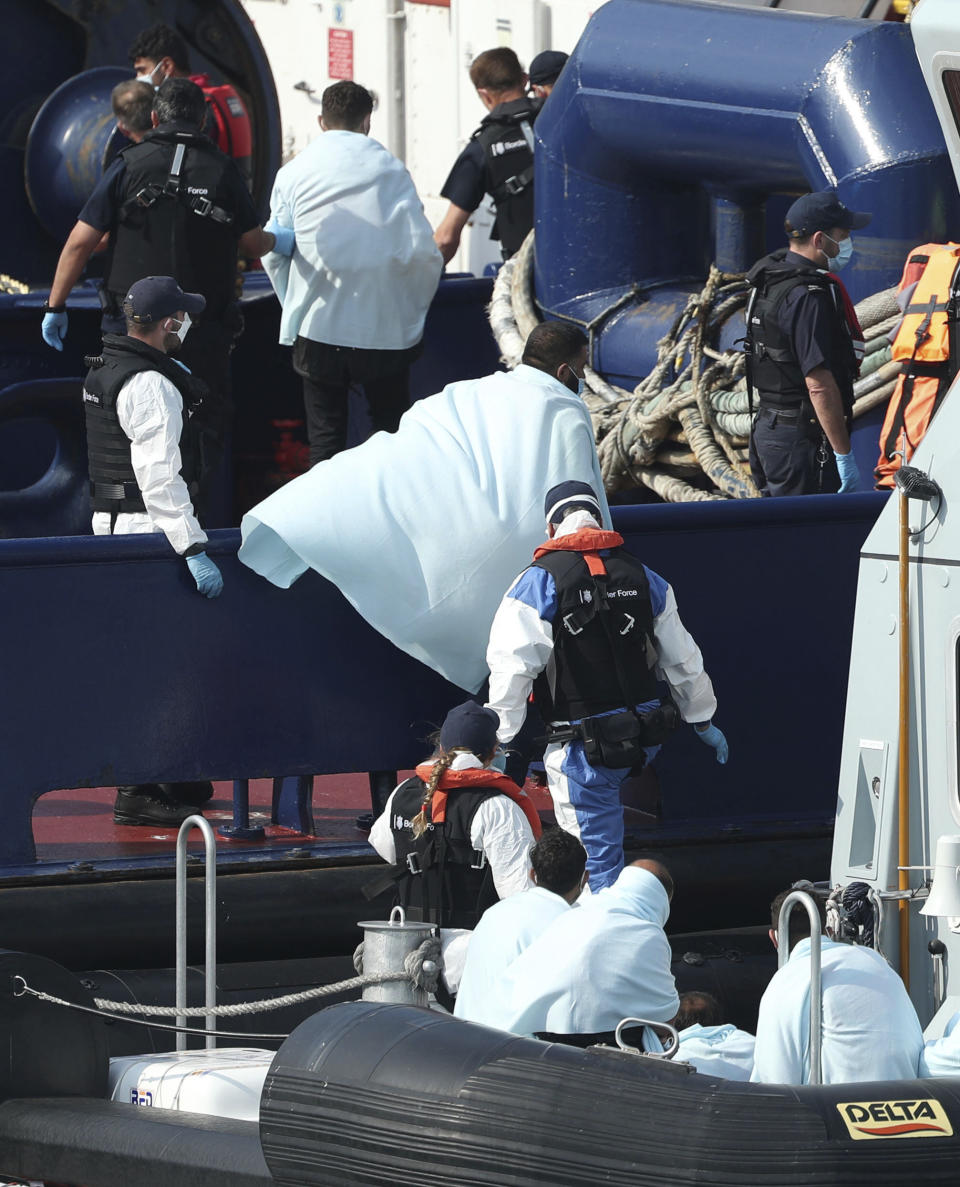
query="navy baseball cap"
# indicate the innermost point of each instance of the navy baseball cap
(547, 65)
(820, 212)
(472, 726)
(159, 296)
(565, 496)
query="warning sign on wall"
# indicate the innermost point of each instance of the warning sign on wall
(340, 53)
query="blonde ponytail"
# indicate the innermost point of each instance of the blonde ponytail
(442, 763)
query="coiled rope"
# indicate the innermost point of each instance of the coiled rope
(684, 429)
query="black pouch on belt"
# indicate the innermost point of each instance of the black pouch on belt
(619, 740)
(615, 740)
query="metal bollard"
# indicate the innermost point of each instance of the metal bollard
(385, 947)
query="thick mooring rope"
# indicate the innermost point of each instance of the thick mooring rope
(683, 431)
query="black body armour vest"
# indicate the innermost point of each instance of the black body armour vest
(113, 484)
(774, 371)
(603, 655)
(441, 878)
(506, 136)
(175, 226)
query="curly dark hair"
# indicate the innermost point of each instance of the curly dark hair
(160, 41)
(345, 105)
(698, 1006)
(558, 861)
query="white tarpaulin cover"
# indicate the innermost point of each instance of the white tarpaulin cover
(423, 530)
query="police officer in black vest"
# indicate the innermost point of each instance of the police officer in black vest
(459, 832)
(591, 630)
(803, 353)
(173, 205)
(145, 450)
(498, 159)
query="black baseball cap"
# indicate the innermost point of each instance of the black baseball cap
(820, 212)
(159, 296)
(565, 496)
(546, 66)
(472, 726)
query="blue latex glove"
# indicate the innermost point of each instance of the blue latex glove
(849, 474)
(208, 577)
(714, 737)
(285, 238)
(499, 761)
(54, 329)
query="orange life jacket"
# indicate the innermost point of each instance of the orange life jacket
(924, 346)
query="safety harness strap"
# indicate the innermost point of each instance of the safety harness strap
(146, 197)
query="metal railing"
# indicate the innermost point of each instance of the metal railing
(801, 898)
(210, 927)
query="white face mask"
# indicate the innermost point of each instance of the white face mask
(148, 78)
(183, 327)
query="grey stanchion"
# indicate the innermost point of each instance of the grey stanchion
(210, 927)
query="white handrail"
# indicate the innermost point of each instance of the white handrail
(796, 898)
(210, 927)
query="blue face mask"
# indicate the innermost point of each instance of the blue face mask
(844, 252)
(581, 386)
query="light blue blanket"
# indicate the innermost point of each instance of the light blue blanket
(605, 960)
(423, 530)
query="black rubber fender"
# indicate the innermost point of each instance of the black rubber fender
(47, 1049)
(365, 1093)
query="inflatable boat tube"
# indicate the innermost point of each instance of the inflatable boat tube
(365, 1093)
(47, 1050)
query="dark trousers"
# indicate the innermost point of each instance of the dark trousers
(328, 373)
(326, 405)
(789, 455)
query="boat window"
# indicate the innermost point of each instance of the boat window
(951, 84)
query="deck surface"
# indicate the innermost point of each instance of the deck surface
(77, 825)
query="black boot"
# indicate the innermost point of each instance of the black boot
(146, 804)
(381, 784)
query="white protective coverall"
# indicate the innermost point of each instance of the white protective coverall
(870, 1028)
(607, 960)
(365, 267)
(150, 412)
(586, 798)
(505, 930)
(722, 1051)
(423, 529)
(499, 829)
(941, 1057)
